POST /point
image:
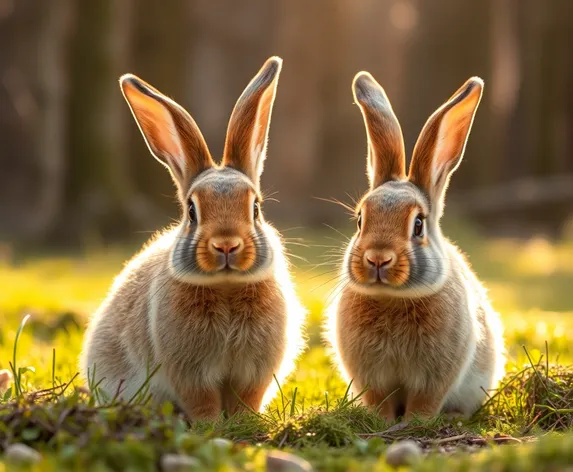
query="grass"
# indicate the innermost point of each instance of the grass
(529, 282)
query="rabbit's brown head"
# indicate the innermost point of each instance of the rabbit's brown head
(398, 247)
(223, 236)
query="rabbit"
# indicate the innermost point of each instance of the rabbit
(208, 306)
(412, 329)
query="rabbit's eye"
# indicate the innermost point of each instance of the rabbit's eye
(419, 226)
(192, 212)
(359, 221)
(256, 210)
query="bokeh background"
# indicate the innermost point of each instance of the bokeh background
(74, 168)
(79, 191)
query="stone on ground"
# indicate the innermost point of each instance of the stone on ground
(21, 454)
(405, 452)
(280, 461)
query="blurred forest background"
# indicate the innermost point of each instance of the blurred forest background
(74, 166)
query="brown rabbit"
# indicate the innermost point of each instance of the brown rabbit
(413, 326)
(208, 302)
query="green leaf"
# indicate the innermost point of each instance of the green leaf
(167, 409)
(30, 434)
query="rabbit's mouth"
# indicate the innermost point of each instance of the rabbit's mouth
(381, 276)
(378, 281)
(379, 269)
(226, 255)
(223, 268)
(227, 268)
(227, 264)
(226, 274)
(384, 280)
(223, 258)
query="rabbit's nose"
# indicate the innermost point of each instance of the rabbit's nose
(226, 245)
(380, 259)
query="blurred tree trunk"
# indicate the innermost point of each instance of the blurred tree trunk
(559, 79)
(19, 27)
(525, 134)
(343, 139)
(52, 125)
(546, 98)
(34, 70)
(103, 201)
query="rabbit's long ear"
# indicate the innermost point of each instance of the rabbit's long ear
(246, 143)
(170, 133)
(440, 147)
(386, 156)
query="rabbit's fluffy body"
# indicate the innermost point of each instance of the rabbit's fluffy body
(205, 337)
(412, 327)
(394, 345)
(208, 305)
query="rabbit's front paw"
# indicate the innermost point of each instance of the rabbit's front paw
(201, 405)
(423, 405)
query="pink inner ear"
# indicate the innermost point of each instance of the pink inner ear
(245, 144)
(258, 145)
(451, 141)
(446, 150)
(442, 142)
(159, 130)
(386, 154)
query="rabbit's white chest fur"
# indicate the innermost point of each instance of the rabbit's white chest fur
(402, 345)
(213, 336)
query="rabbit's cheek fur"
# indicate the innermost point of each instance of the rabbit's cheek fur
(420, 266)
(430, 268)
(193, 261)
(382, 253)
(223, 217)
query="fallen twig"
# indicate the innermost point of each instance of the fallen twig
(435, 442)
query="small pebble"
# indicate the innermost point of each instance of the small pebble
(403, 453)
(21, 454)
(279, 461)
(5, 380)
(471, 449)
(178, 462)
(221, 444)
